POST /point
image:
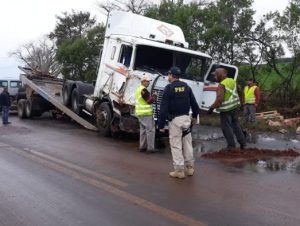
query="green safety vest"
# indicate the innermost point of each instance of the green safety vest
(231, 97)
(249, 93)
(142, 108)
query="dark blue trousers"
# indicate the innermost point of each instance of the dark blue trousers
(5, 112)
(230, 127)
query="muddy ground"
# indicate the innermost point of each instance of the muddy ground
(251, 154)
(265, 151)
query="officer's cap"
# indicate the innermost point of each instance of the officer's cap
(146, 78)
(175, 71)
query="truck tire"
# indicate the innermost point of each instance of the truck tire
(103, 119)
(66, 96)
(75, 102)
(28, 108)
(21, 108)
(32, 108)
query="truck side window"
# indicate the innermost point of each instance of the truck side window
(113, 53)
(125, 55)
(231, 72)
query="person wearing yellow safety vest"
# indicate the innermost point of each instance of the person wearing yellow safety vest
(144, 113)
(251, 100)
(228, 104)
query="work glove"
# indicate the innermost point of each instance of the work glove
(210, 110)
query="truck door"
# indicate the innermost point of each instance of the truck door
(121, 68)
(210, 85)
(112, 76)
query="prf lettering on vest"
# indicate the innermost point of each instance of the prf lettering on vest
(179, 89)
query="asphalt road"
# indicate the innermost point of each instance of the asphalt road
(53, 172)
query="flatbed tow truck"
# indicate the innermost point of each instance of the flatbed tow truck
(43, 93)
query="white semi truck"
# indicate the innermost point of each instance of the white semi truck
(134, 46)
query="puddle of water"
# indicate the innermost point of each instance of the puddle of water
(206, 140)
(207, 137)
(212, 139)
(277, 143)
(273, 165)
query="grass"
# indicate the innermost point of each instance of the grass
(266, 77)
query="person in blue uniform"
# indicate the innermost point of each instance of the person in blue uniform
(177, 101)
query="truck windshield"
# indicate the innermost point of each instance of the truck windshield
(157, 59)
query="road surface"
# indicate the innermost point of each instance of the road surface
(53, 172)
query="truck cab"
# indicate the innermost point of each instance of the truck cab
(134, 46)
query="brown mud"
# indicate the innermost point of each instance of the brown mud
(251, 154)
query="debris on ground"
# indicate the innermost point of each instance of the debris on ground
(291, 121)
(275, 119)
(283, 131)
(274, 123)
(269, 115)
(250, 154)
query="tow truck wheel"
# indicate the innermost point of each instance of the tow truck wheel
(21, 108)
(103, 119)
(28, 108)
(75, 100)
(66, 96)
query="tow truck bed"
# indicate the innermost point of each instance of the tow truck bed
(51, 89)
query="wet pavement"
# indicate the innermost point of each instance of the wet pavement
(56, 173)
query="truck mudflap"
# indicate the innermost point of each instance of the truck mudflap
(43, 88)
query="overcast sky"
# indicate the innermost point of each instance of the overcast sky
(23, 21)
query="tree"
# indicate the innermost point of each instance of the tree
(287, 27)
(78, 41)
(80, 57)
(39, 56)
(226, 22)
(72, 26)
(215, 27)
(273, 33)
(134, 6)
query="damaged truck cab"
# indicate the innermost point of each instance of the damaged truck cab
(134, 46)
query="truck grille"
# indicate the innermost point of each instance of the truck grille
(158, 101)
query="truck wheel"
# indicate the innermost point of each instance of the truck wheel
(75, 100)
(33, 108)
(103, 119)
(66, 96)
(21, 108)
(28, 108)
